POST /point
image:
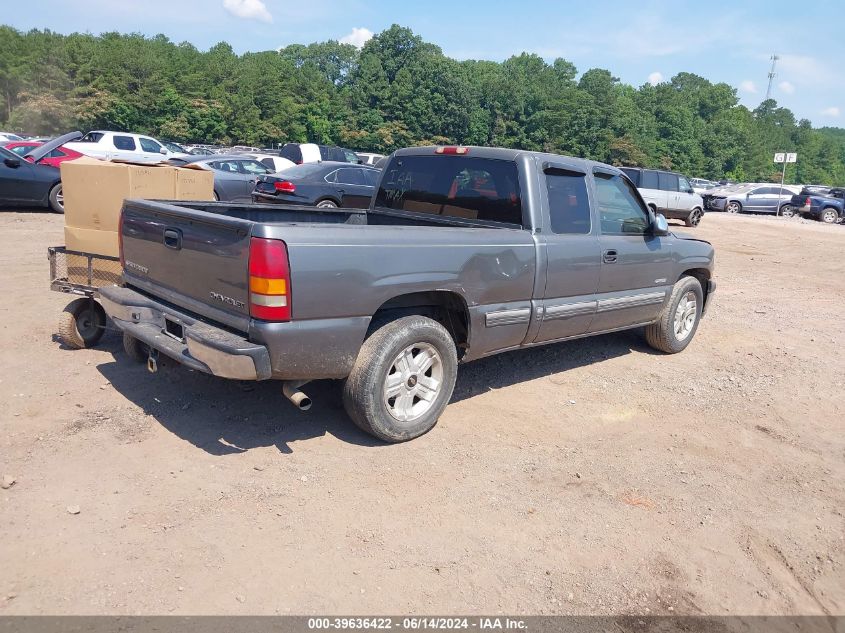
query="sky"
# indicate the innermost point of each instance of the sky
(639, 42)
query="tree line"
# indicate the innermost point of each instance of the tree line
(397, 91)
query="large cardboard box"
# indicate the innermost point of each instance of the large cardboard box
(94, 191)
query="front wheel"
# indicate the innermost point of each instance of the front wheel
(678, 321)
(787, 211)
(733, 207)
(829, 216)
(402, 379)
(82, 323)
(694, 218)
(57, 199)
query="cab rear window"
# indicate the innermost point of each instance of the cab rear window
(453, 186)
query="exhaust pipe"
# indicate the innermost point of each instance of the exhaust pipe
(292, 393)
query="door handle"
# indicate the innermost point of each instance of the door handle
(173, 239)
(341, 191)
(609, 257)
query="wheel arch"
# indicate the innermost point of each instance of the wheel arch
(328, 197)
(702, 274)
(447, 307)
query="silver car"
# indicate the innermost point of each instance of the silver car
(755, 198)
(234, 174)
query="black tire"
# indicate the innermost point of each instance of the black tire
(327, 204)
(56, 199)
(787, 211)
(694, 218)
(733, 207)
(662, 334)
(82, 323)
(829, 215)
(135, 349)
(364, 395)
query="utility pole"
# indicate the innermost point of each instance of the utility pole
(772, 75)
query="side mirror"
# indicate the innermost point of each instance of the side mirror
(660, 225)
(163, 150)
(14, 163)
(690, 190)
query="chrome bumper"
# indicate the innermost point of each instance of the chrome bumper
(184, 338)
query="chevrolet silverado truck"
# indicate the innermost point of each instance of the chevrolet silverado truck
(825, 205)
(464, 252)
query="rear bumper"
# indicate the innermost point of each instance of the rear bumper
(201, 346)
(717, 204)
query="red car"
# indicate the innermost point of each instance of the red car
(53, 158)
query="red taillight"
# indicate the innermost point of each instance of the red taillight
(452, 150)
(284, 186)
(120, 240)
(807, 202)
(269, 280)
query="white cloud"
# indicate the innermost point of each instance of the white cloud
(748, 86)
(808, 70)
(358, 37)
(831, 111)
(248, 9)
(786, 87)
(655, 78)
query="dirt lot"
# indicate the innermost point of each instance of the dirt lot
(588, 477)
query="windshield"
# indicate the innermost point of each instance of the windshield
(300, 171)
(174, 147)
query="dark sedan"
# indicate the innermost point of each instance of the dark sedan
(25, 184)
(327, 184)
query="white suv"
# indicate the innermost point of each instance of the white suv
(668, 193)
(122, 146)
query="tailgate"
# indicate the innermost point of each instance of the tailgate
(197, 260)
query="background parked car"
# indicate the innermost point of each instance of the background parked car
(9, 136)
(668, 193)
(274, 163)
(234, 174)
(301, 153)
(121, 145)
(827, 206)
(29, 184)
(756, 198)
(53, 159)
(701, 186)
(369, 158)
(326, 184)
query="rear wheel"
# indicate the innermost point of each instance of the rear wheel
(82, 323)
(326, 204)
(678, 322)
(135, 349)
(402, 379)
(829, 216)
(694, 217)
(733, 207)
(57, 199)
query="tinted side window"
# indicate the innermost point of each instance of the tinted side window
(291, 151)
(456, 186)
(569, 207)
(124, 143)
(350, 177)
(619, 207)
(252, 167)
(20, 150)
(633, 174)
(350, 156)
(149, 145)
(371, 177)
(268, 162)
(649, 180)
(667, 181)
(683, 184)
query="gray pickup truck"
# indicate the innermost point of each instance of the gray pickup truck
(464, 252)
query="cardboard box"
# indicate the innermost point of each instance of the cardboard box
(94, 191)
(92, 241)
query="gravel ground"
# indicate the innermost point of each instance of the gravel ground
(592, 477)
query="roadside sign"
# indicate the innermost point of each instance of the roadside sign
(791, 158)
(780, 157)
(783, 157)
